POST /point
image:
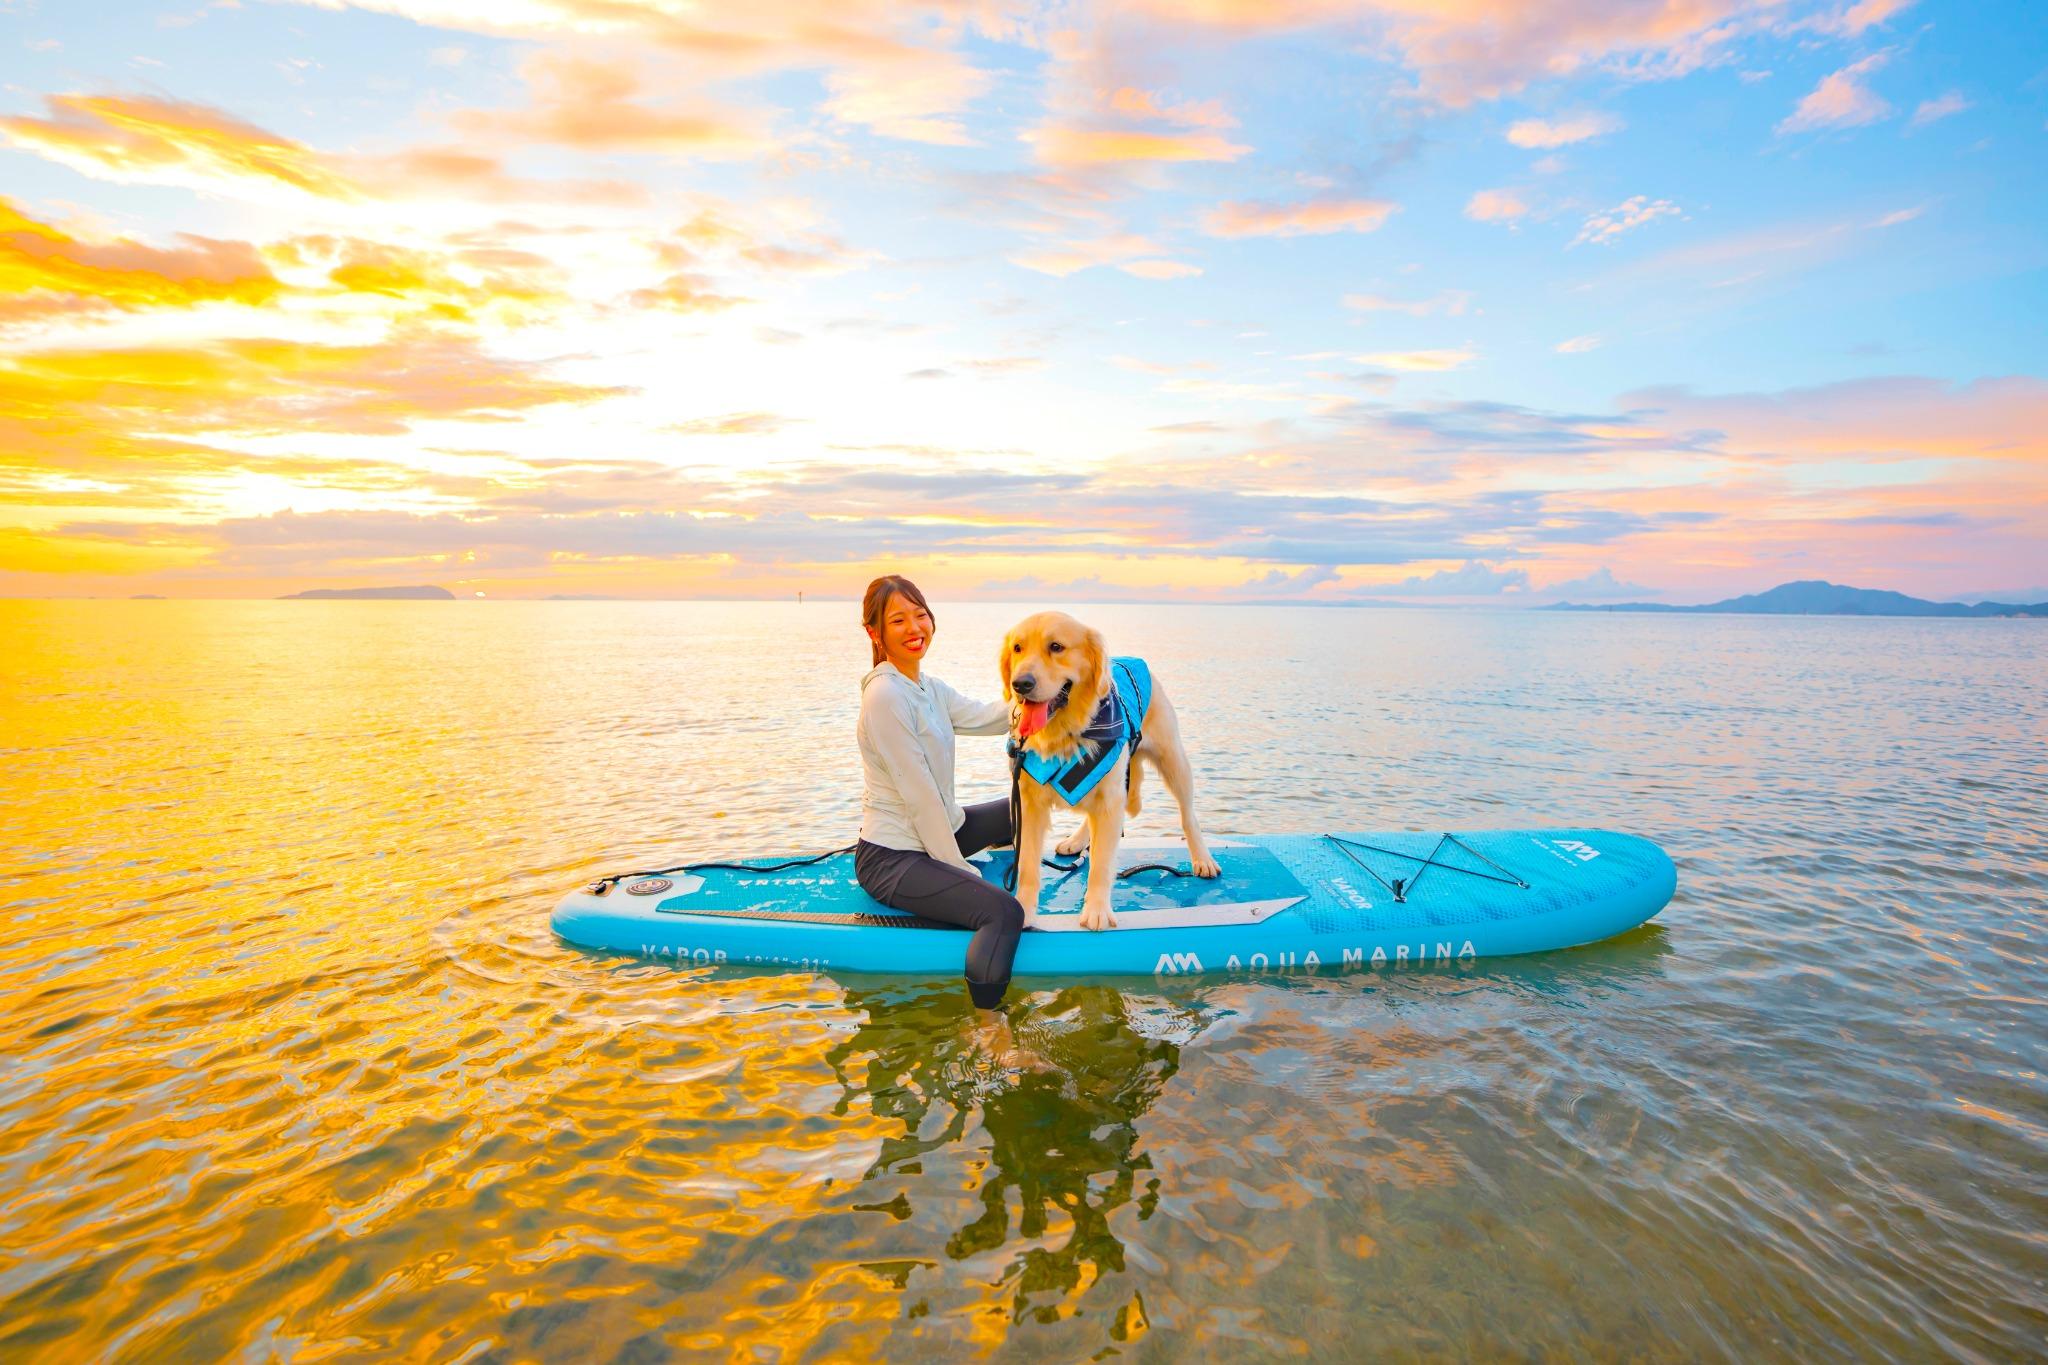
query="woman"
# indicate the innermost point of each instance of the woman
(915, 839)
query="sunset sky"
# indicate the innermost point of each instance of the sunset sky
(1488, 301)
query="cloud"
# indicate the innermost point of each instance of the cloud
(1544, 133)
(1840, 100)
(1065, 258)
(1144, 104)
(1601, 228)
(1478, 50)
(589, 104)
(1281, 583)
(148, 141)
(1599, 586)
(1578, 345)
(1474, 578)
(732, 424)
(1450, 302)
(1159, 270)
(105, 409)
(1428, 361)
(1938, 108)
(912, 99)
(154, 141)
(1864, 14)
(45, 270)
(1496, 206)
(1313, 217)
(1057, 145)
(2002, 419)
(683, 292)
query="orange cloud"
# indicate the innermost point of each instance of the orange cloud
(1496, 206)
(506, 286)
(1064, 146)
(590, 104)
(1312, 218)
(1418, 360)
(1144, 104)
(138, 140)
(684, 292)
(47, 271)
(85, 409)
(912, 97)
(732, 424)
(152, 141)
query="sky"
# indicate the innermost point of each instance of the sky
(1445, 301)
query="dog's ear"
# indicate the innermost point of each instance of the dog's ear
(1092, 681)
(1003, 661)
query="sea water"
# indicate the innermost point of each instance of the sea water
(294, 1068)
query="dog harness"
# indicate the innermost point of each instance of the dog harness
(1116, 728)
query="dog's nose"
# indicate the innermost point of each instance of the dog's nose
(1022, 684)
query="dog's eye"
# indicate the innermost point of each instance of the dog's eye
(1055, 648)
(1016, 649)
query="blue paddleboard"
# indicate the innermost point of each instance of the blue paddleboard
(1284, 901)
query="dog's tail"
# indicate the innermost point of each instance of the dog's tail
(1131, 799)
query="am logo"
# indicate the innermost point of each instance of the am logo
(1585, 853)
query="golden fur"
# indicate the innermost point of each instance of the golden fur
(1054, 650)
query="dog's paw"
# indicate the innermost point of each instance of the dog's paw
(1097, 917)
(1205, 866)
(1073, 844)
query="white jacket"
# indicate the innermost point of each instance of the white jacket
(906, 752)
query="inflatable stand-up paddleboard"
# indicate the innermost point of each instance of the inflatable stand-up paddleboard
(1285, 901)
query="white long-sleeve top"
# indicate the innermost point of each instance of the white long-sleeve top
(906, 752)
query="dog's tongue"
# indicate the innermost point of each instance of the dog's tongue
(1033, 718)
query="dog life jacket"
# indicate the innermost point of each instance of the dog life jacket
(1116, 728)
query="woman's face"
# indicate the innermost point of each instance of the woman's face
(906, 631)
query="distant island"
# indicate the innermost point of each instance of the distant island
(1814, 597)
(420, 594)
(148, 597)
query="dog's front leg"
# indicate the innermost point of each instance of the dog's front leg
(1034, 815)
(1105, 832)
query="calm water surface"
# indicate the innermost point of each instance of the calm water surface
(294, 1068)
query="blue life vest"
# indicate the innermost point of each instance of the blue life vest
(1114, 730)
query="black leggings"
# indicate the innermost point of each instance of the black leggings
(913, 880)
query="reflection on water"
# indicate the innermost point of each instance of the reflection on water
(296, 1069)
(1058, 1104)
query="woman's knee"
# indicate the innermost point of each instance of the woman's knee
(1005, 913)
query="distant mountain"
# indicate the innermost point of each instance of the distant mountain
(2001, 595)
(147, 597)
(419, 594)
(1813, 597)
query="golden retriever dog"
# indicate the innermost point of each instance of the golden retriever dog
(1059, 680)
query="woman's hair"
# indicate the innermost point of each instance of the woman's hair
(876, 603)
